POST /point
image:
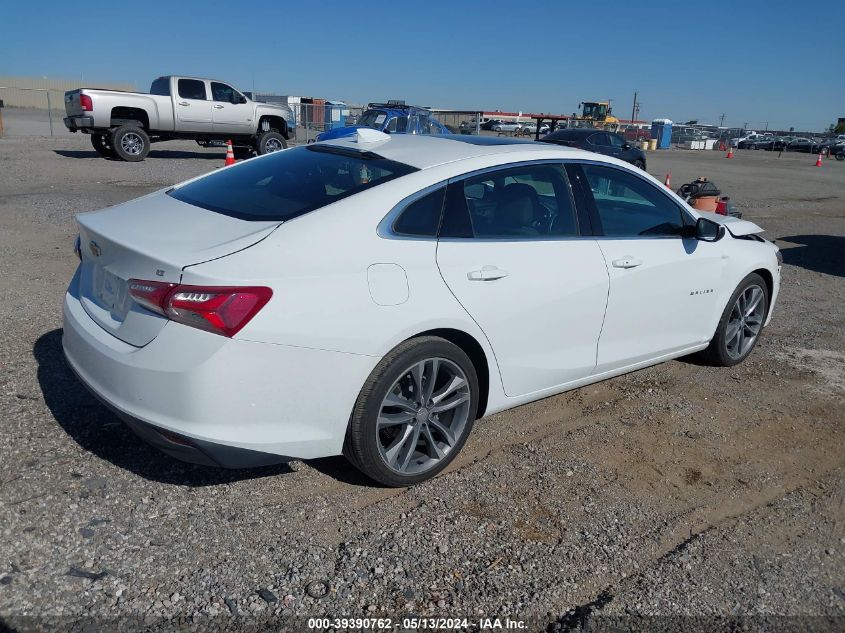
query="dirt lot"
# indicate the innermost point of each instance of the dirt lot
(678, 491)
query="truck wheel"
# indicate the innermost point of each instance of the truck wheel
(270, 141)
(102, 146)
(130, 143)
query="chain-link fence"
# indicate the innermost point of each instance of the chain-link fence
(31, 111)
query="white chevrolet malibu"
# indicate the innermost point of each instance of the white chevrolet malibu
(375, 295)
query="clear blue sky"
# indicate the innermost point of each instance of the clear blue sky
(755, 60)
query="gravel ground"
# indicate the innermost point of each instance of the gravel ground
(677, 492)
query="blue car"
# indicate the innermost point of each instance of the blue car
(391, 118)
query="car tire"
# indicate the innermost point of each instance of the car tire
(130, 143)
(101, 145)
(839, 156)
(727, 349)
(269, 142)
(384, 452)
(639, 164)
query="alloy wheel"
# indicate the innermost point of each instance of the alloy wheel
(132, 143)
(745, 322)
(423, 416)
(272, 145)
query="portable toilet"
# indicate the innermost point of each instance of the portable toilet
(661, 131)
(336, 113)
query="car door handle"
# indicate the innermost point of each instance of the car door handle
(218, 106)
(487, 273)
(627, 262)
(184, 103)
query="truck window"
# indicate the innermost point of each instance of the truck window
(192, 89)
(222, 92)
(161, 86)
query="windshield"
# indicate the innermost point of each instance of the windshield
(373, 118)
(290, 183)
(597, 110)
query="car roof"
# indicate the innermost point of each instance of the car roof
(576, 131)
(423, 151)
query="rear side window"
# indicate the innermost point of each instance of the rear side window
(192, 89)
(290, 183)
(629, 206)
(422, 217)
(161, 87)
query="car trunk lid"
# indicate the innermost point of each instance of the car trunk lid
(151, 238)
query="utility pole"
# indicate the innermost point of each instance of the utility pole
(722, 119)
(634, 108)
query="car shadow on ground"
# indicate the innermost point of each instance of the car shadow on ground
(156, 153)
(819, 253)
(99, 431)
(339, 469)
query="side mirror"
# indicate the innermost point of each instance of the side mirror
(708, 230)
(626, 146)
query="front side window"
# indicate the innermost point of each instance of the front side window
(397, 124)
(629, 206)
(616, 140)
(192, 89)
(289, 183)
(530, 202)
(222, 92)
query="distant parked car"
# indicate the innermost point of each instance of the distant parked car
(489, 123)
(598, 141)
(529, 128)
(507, 126)
(828, 145)
(808, 145)
(393, 119)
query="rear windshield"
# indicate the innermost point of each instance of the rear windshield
(290, 183)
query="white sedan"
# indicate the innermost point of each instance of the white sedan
(375, 295)
(507, 126)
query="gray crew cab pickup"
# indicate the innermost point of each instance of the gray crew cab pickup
(124, 124)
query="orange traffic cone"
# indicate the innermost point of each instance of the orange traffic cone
(230, 154)
(730, 152)
(668, 181)
(819, 160)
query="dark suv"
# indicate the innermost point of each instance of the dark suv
(598, 141)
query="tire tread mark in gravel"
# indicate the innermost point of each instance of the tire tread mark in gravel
(578, 616)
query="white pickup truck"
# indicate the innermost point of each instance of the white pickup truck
(124, 124)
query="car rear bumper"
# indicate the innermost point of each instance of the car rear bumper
(75, 123)
(209, 399)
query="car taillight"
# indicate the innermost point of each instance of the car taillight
(222, 310)
(86, 103)
(722, 206)
(150, 294)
